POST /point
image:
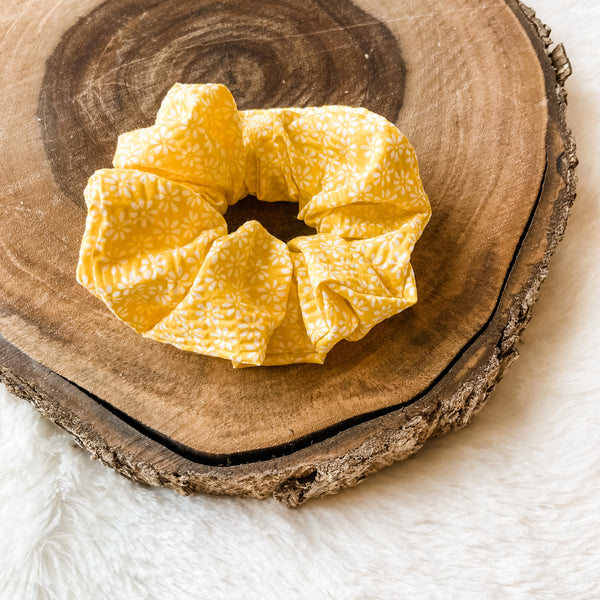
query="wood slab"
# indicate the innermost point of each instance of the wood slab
(478, 89)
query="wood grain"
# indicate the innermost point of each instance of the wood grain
(476, 93)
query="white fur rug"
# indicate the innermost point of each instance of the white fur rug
(507, 508)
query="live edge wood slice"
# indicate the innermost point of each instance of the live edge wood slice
(478, 89)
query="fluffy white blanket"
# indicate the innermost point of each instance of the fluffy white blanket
(507, 508)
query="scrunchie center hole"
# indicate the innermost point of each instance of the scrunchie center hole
(278, 218)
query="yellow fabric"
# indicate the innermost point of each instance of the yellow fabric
(157, 252)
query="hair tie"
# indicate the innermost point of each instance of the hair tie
(156, 248)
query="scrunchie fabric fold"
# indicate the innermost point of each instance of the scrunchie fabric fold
(156, 248)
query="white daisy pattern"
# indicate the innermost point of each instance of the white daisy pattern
(157, 251)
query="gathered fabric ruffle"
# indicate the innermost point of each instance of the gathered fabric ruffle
(157, 252)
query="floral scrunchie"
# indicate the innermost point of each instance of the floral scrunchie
(156, 248)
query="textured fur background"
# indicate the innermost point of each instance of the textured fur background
(507, 508)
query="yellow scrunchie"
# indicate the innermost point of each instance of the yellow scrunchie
(157, 252)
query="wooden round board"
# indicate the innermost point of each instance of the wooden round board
(478, 90)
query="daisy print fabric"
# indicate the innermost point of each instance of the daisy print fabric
(157, 252)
